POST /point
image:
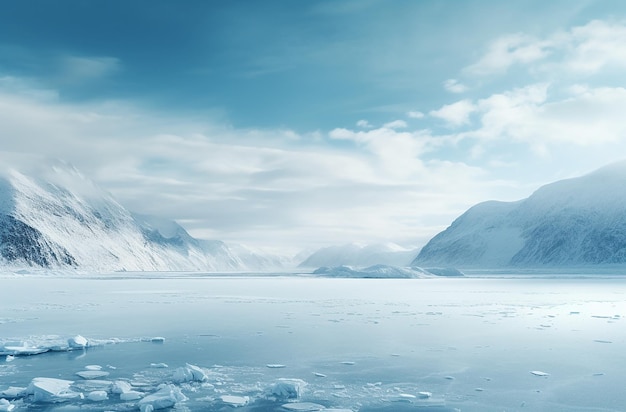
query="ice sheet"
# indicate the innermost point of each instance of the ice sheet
(346, 344)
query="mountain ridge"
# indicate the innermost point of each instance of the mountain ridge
(52, 216)
(576, 221)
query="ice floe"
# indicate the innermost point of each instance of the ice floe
(51, 390)
(539, 373)
(284, 389)
(131, 396)
(166, 396)
(78, 342)
(303, 407)
(189, 373)
(5, 405)
(98, 396)
(21, 349)
(13, 392)
(235, 401)
(92, 374)
(121, 387)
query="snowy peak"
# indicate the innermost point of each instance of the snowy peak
(353, 254)
(579, 221)
(53, 216)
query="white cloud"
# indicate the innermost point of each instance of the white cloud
(453, 86)
(582, 50)
(595, 46)
(415, 115)
(507, 51)
(455, 114)
(248, 185)
(590, 118)
(364, 124)
(396, 124)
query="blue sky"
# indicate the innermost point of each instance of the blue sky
(292, 124)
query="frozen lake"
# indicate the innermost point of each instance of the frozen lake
(468, 344)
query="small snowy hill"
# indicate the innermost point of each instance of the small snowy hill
(579, 221)
(358, 255)
(52, 216)
(385, 272)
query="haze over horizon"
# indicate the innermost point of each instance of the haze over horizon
(287, 125)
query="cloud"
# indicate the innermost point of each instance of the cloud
(507, 51)
(396, 124)
(590, 117)
(364, 124)
(455, 114)
(581, 50)
(594, 46)
(85, 68)
(453, 86)
(415, 115)
(254, 186)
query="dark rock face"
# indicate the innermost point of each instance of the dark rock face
(21, 243)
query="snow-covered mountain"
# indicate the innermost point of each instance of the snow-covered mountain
(353, 254)
(53, 216)
(579, 221)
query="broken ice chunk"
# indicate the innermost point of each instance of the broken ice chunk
(303, 407)
(9, 358)
(189, 373)
(349, 363)
(78, 342)
(275, 365)
(284, 389)
(13, 392)
(157, 339)
(159, 365)
(166, 397)
(6, 406)
(235, 401)
(52, 390)
(424, 395)
(319, 375)
(98, 396)
(130, 396)
(21, 348)
(92, 374)
(120, 387)
(539, 373)
(93, 368)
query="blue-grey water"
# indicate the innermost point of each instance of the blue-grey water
(359, 344)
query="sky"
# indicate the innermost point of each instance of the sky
(292, 124)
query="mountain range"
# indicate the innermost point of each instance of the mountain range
(572, 222)
(353, 254)
(52, 216)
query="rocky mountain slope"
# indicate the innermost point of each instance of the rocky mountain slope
(52, 216)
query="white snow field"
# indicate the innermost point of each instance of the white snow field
(145, 342)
